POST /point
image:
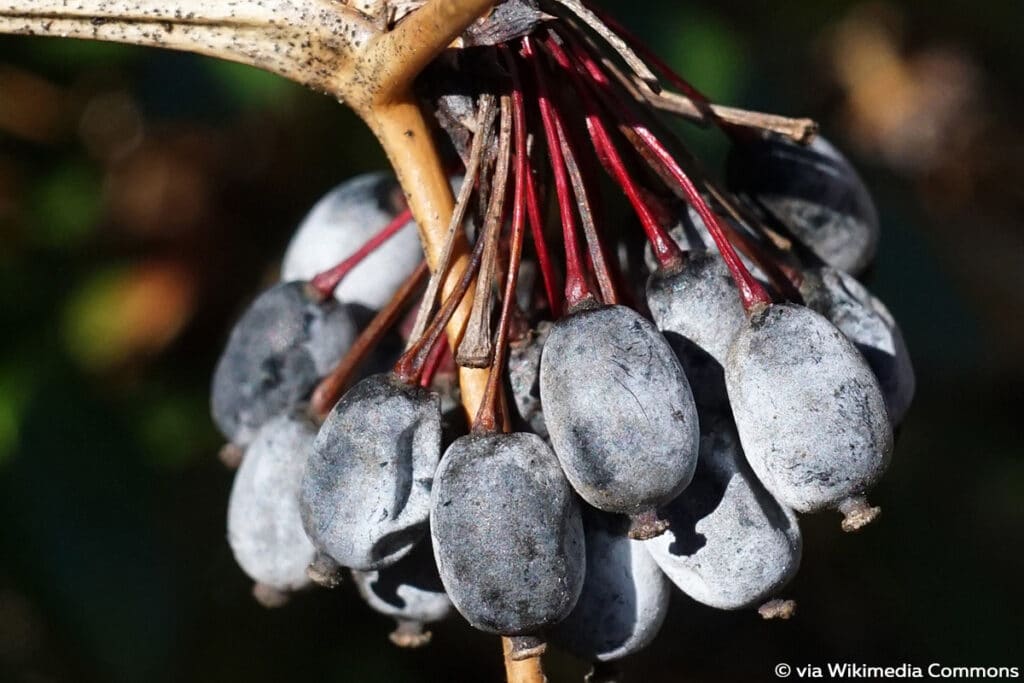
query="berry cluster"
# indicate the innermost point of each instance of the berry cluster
(676, 394)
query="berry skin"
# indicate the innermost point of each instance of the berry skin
(809, 412)
(366, 492)
(814, 192)
(339, 224)
(868, 324)
(524, 378)
(692, 236)
(409, 591)
(625, 596)
(699, 302)
(619, 410)
(507, 533)
(276, 353)
(264, 527)
(729, 544)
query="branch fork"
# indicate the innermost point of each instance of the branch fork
(339, 48)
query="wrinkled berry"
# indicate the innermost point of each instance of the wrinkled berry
(264, 527)
(809, 411)
(619, 410)
(277, 352)
(366, 492)
(507, 533)
(625, 596)
(729, 543)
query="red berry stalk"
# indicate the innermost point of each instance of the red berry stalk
(326, 282)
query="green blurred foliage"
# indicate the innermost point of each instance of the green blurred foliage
(66, 205)
(706, 48)
(251, 87)
(91, 323)
(114, 563)
(13, 388)
(84, 54)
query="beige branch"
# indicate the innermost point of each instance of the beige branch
(525, 671)
(407, 140)
(800, 130)
(323, 44)
(400, 126)
(378, 87)
(328, 46)
(386, 69)
(308, 42)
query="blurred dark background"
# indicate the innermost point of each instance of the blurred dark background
(146, 195)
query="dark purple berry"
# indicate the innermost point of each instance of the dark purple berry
(277, 352)
(729, 544)
(625, 596)
(410, 592)
(339, 224)
(809, 411)
(619, 410)
(507, 533)
(264, 527)
(868, 324)
(365, 496)
(814, 192)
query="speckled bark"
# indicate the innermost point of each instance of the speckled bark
(308, 42)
